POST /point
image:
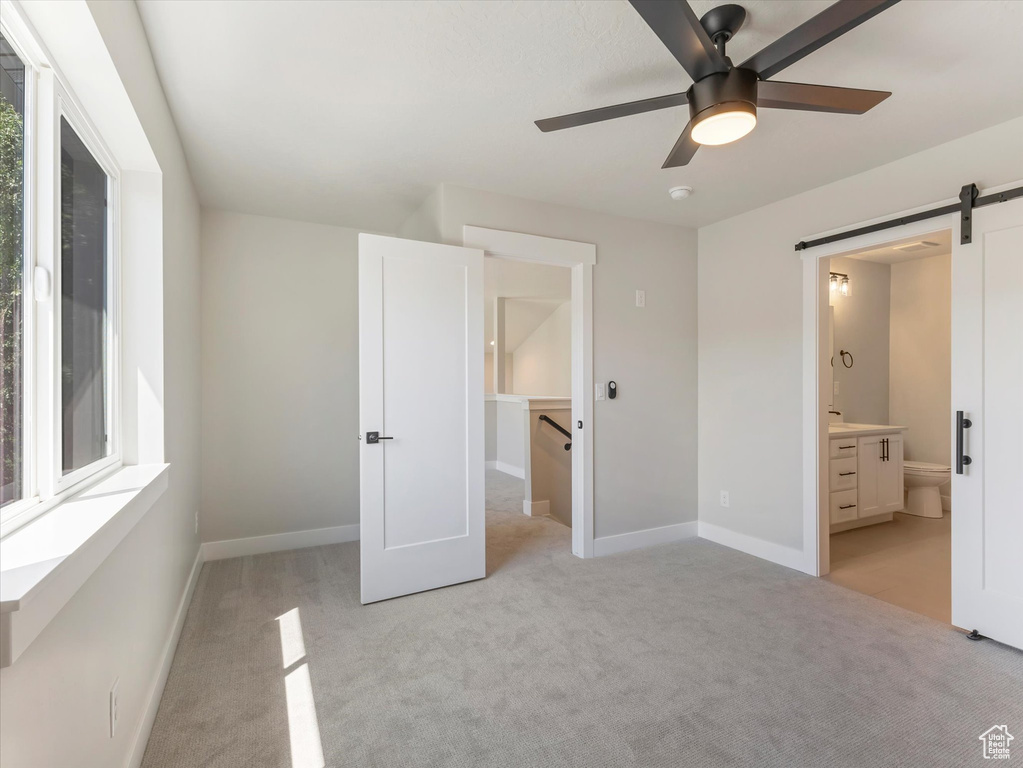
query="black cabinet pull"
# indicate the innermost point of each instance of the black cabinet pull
(845, 447)
(844, 474)
(962, 460)
(847, 506)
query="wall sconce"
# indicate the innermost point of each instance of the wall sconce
(839, 281)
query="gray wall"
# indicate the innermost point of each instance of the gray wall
(644, 441)
(53, 711)
(280, 376)
(542, 364)
(750, 330)
(921, 363)
(861, 327)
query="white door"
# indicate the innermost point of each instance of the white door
(420, 416)
(987, 385)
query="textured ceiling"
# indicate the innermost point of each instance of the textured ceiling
(351, 112)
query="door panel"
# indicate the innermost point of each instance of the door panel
(868, 464)
(424, 401)
(987, 368)
(421, 388)
(889, 477)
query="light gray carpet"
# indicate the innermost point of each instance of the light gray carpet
(689, 654)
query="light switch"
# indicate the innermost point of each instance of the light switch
(640, 298)
(598, 391)
(836, 386)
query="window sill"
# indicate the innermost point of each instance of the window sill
(45, 562)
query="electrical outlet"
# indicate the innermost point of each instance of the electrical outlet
(640, 298)
(598, 391)
(724, 498)
(114, 706)
(836, 386)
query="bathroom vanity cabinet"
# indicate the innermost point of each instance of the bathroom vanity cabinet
(866, 483)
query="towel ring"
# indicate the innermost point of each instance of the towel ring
(843, 354)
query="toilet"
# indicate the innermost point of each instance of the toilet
(922, 483)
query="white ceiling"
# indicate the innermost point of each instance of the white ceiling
(351, 112)
(532, 293)
(922, 247)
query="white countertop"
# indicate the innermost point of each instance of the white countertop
(841, 429)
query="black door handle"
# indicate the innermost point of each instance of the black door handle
(375, 437)
(962, 460)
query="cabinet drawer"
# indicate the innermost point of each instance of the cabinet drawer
(842, 474)
(842, 447)
(843, 506)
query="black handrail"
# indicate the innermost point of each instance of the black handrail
(561, 429)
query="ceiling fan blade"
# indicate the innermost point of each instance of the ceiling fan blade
(817, 98)
(610, 113)
(829, 24)
(683, 150)
(674, 22)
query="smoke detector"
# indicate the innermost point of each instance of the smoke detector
(680, 193)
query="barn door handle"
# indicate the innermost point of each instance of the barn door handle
(962, 460)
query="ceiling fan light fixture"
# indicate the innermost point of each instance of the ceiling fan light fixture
(724, 123)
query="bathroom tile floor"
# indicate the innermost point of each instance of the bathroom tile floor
(907, 562)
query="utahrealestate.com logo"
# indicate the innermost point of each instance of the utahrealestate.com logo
(996, 742)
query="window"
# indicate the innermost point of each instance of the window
(12, 278)
(58, 290)
(83, 304)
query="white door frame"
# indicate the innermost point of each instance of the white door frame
(816, 528)
(580, 258)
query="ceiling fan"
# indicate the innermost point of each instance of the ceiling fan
(723, 98)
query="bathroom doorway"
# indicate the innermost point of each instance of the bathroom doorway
(887, 386)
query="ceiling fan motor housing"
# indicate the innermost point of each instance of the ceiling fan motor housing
(731, 91)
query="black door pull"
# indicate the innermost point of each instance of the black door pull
(375, 437)
(962, 460)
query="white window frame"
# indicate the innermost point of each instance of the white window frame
(69, 111)
(29, 496)
(47, 99)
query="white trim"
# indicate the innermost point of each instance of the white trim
(648, 537)
(765, 550)
(145, 724)
(522, 247)
(536, 508)
(581, 258)
(279, 542)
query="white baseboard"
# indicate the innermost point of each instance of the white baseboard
(623, 542)
(508, 469)
(765, 550)
(279, 542)
(536, 508)
(145, 724)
